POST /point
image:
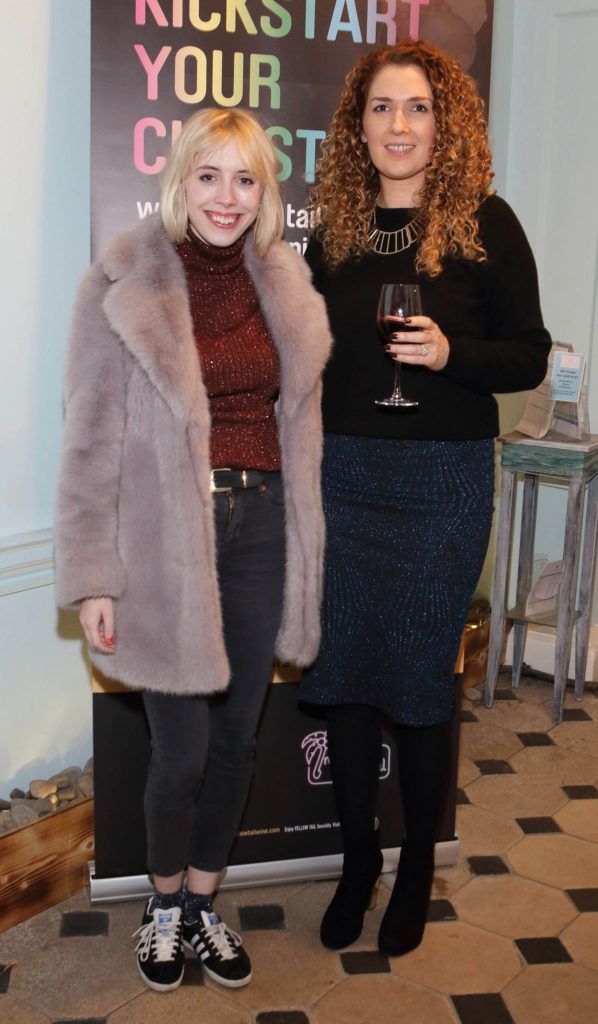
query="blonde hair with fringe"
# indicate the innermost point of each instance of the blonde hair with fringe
(457, 177)
(201, 135)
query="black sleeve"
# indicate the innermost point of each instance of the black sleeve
(513, 356)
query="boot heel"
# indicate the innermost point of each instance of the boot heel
(375, 893)
(356, 892)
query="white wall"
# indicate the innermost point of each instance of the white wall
(44, 97)
(542, 120)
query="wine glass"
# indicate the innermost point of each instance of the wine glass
(397, 302)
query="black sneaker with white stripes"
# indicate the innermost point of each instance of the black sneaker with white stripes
(219, 949)
(160, 956)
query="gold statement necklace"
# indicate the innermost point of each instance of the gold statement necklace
(389, 243)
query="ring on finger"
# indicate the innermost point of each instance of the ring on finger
(423, 350)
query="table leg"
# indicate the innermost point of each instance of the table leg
(566, 609)
(526, 564)
(588, 562)
(499, 587)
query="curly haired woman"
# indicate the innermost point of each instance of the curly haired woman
(404, 195)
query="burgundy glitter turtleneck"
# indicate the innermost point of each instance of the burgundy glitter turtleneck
(239, 362)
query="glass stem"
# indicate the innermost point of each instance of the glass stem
(396, 391)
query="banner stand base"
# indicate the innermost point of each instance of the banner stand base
(247, 876)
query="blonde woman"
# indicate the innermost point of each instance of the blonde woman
(404, 194)
(189, 529)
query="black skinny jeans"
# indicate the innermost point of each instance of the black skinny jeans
(203, 747)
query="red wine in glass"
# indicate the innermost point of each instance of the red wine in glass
(397, 303)
(389, 325)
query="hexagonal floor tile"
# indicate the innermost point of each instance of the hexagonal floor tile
(450, 880)
(290, 969)
(558, 860)
(483, 740)
(580, 818)
(581, 737)
(581, 939)
(515, 796)
(27, 938)
(456, 957)
(513, 906)
(535, 691)
(59, 978)
(553, 994)
(14, 1012)
(381, 998)
(556, 765)
(517, 717)
(192, 1004)
(482, 832)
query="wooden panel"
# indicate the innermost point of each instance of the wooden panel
(44, 863)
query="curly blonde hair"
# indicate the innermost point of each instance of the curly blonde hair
(457, 177)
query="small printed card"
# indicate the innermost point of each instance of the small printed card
(567, 376)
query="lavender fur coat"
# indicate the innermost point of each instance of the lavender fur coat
(134, 516)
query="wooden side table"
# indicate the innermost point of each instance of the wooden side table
(577, 462)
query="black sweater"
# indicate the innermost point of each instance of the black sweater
(490, 313)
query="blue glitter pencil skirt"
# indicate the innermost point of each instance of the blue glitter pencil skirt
(407, 530)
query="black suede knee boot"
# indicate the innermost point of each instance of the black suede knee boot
(423, 758)
(354, 746)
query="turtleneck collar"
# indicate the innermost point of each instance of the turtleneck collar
(210, 259)
(392, 218)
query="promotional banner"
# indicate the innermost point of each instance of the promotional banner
(290, 813)
(154, 62)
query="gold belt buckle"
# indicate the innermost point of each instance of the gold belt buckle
(213, 487)
(244, 478)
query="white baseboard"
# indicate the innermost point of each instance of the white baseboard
(539, 652)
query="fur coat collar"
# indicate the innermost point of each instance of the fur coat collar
(148, 307)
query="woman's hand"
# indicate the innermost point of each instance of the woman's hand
(426, 346)
(96, 615)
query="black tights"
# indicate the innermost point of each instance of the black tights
(423, 752)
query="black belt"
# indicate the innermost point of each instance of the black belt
(226, 479)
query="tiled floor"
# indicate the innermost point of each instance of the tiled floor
(514, 926)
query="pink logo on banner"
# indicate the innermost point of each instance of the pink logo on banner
(315, 748)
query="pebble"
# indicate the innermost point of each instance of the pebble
(39, 807)
(41, 788)
(66, 793)
(66, 776)
(85, 785)
(45, 795)
(23, 814)
(7, 822)
(60, 781)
